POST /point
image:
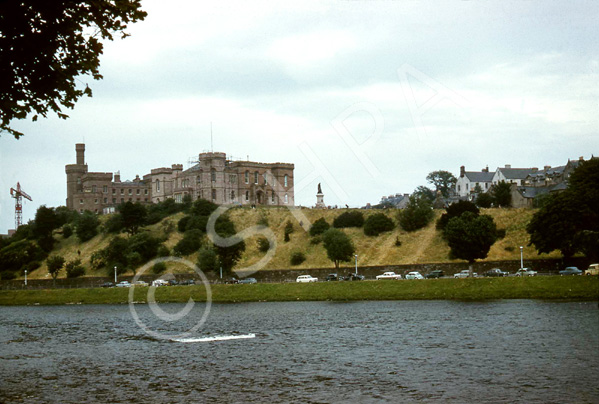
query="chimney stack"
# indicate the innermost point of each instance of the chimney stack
(462, 171)
(80, 150)
(117, 176)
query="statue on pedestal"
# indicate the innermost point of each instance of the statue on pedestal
(320, 198)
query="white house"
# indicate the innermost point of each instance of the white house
(468, 180)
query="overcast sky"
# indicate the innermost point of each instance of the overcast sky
(366, 98)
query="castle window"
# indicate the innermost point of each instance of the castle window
(256, 178)
(265, 179)
(81, 201)
(232, 195)
(157, 185)
(137, 192)
(96, 201)
(459, 188)
(122, 191)
(286, 199)
(93, 188)
(213, 175)
(113, 191)
(214, 194)
(105, 200)
(145, 191)
(105, 189)
(285, 180)
(199, 179)
(247, 195)
(130, 191)
(273, 197)
(247, 177)
(233, 179)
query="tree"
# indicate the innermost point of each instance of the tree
(203, 207)
(55, 264)
(424, 192)
(455, 210)
(484, 200)
(319, 227)
(470, 236)
(87, 226)
(377, 224)
(442, 180)
(228, 256)
(297, 257)
(47, 45)
(190, 243)
(74, 269)
(115, 254)
(417, 214)
(353, 218)
(502, 194)
(207, 259)
(133, 216)
(45, 222)
(338, 246)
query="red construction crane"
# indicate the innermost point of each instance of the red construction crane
(18, 193)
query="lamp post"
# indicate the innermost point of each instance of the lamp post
(356, 255)
(521, 259)
(115, 274)
(25, 277)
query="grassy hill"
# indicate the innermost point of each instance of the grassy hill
(423, 246)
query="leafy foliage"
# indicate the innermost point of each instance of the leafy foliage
(203, 207)
(417, 214)
(207, 259)
(502, 194)
(377, 224)
(159, 267)
(484, 200)
(74, 269)
(455, 210)
(424, 192)
(190, 243)
(87, 226)
(67, 231)
(228, 255)
(470, 236)
(18, 254)
(55, 264)
(353, 218)
(288, 230)
(443, 181)
(297, 257)
(338, 246)
(263, 244)
(133, 216)
(46, 45)
(319, 227)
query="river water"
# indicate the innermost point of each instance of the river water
(314, 352)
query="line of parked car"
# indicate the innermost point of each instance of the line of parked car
(157, 282)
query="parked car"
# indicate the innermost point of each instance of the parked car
(496, 272)
(464, 274)
(525, 272)
(188, 282)
(570, 271)
(306, 279)
(388, 275)
(107, 285)
(140, 283)
(437, 273)
(414, 275)
(354, 277)
(331, 277)
(123, 284)
(173, 282)
(248, 280)
(159, 282)
(593, 270)
(231, 281)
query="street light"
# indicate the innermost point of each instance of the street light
(25, 277)
(115, 274)
(356, 255)
(521, 260)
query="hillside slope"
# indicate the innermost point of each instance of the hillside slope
(423, 246)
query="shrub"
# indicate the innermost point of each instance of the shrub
(288, 230)
(159, 267)
(397, 242)
(417, 214)
(377, 224)
(114, 224)
(67, 231)
(74, 269)
(190, 243)
(87, 226)
(349, 219)
(182, 223)
(319, 227)
(197, 223)
(297, 258)
(263, 244)
(484, 200)
(145, 245)
(207, 260)
(163, 251)
(202, 207)
(316, 240)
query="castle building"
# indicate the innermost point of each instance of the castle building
(215, 178)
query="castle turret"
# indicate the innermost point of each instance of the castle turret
(74, 174)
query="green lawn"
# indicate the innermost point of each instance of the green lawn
(542, 287)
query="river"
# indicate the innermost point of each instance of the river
(315, 352)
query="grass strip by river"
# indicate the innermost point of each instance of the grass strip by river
(542, 287)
